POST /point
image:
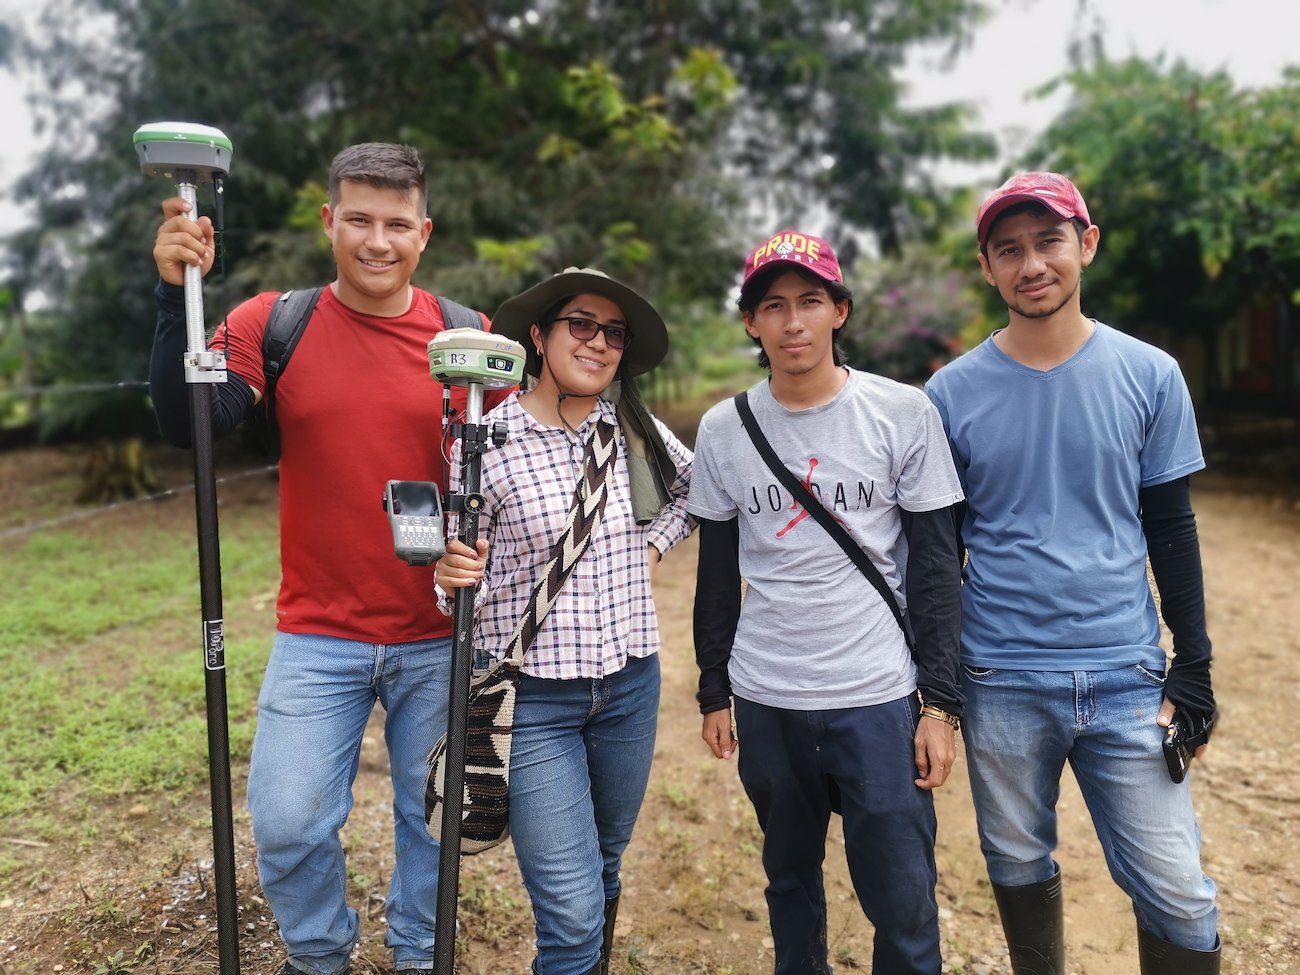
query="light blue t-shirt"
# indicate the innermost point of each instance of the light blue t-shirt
(1051, 464)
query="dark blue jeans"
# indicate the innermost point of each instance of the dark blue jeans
(791, 763)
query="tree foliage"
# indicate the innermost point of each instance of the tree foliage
(1195, 184)
(646, 138)
(908, 314)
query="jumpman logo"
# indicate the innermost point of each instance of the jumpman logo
(803, 512)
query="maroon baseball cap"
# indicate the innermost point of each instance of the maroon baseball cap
(797, 250)
(1052, 190)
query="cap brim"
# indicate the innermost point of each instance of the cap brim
(782, 263)
(998, 208)
(649, 334)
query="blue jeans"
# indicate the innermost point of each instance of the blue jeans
(316, 698)
(579, 764)
(793, 765)
(1020, 729)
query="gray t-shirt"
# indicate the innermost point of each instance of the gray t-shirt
(813, 633)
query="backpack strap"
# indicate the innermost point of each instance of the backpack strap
(292, 311)
(285, 323)
(456, 315)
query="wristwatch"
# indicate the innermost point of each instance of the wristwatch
(934, 711)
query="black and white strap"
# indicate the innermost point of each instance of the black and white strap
(584, 519)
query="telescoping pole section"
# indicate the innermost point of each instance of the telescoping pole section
(462, 655)
(474, 359)
(192, 154)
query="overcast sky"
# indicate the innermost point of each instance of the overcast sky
(1020, 48)
(1026, 43)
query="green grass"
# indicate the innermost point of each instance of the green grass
(102, 686)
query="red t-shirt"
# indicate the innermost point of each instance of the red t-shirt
(356, 407)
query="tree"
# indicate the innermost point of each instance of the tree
(1195, 184)
(908, 314)
(632, 136)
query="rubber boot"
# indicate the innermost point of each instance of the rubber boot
(607, 938)
(1156, 957)
(1033, 920)
(606, 941)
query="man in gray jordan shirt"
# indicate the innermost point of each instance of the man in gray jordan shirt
(824, 684)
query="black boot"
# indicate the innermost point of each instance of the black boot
(607, 939)
(1158, 957)
(1033, 920)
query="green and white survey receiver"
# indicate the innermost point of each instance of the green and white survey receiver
(164, 148)
(460, 356)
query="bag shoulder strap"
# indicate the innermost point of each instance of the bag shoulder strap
(456, 315)
(584, 518)
(815, 508)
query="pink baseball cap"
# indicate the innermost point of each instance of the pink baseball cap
(1052, 190)
(797, 250)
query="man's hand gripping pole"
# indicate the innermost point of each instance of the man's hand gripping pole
(191, 154)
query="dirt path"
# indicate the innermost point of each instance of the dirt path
(693, 882)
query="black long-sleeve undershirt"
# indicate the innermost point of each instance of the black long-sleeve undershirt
(717, 609)
(168, 389)
(933, 587)
(1175, 553)
(933, 596)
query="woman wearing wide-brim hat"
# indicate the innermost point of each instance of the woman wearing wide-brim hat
(588, 692)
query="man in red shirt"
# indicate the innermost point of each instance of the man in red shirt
(355, 407)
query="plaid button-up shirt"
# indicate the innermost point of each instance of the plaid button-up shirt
(605, 612)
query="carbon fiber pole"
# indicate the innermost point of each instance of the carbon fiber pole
(200, 372)
(462, 659)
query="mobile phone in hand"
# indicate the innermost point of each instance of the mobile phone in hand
(1181, 742)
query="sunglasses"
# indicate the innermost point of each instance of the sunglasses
(584, 330)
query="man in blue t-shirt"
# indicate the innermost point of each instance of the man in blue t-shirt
(1074, 444)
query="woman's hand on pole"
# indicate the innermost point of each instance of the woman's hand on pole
(182, 242)
(460, 567)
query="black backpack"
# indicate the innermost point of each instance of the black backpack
(285, 324)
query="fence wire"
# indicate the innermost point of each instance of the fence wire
(76, 516)
(65, 388)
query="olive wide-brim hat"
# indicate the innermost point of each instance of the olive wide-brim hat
(648, 335)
